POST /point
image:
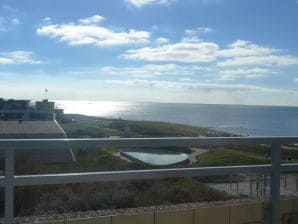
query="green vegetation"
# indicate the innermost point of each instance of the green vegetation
(157, 129)
(289, 153)
(184, 189)
(82, 197)
(102, 160)
(225, 157)
(84, 130)
(102, 127)
(105, 195)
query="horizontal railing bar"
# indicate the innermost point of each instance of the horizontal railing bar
(65, 178)
(289, 167)
(27, 180)
(141, 142)
(10, 181)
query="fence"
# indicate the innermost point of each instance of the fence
(9, 181)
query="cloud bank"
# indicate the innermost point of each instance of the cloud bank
(141, 3)
(18, 57)
(87, 31)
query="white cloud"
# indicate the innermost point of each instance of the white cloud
(92, 34)
(201, 86)
(7, 24)
(162, 40)
(265, 60)
(154, 27)
(191, 49)
(245, 53)
(141, 3)
(17, 57)
(151, 70)
(200, 92)
(28, 84)
(250, 73)
(187, 51)
(15, 21)
(193, 32)
(242, 48)
(47, 20)
(92, 20)
(9, 19)
(9, 8)
(186, 80)
(5, 61)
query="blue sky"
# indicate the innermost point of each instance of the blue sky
(191, 51)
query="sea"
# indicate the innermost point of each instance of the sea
(238, 119)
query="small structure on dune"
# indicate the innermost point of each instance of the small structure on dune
(38, 130)
(19, 119)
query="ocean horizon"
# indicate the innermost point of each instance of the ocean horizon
(250, 120)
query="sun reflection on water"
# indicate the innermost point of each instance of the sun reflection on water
(95, 108)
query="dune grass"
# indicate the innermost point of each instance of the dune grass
(226, 157)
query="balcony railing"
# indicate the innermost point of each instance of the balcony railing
(9, 181)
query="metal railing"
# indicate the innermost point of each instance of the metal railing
(9, 181)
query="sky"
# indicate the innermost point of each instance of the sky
(186, 51)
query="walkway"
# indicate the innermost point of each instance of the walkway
(193, 156)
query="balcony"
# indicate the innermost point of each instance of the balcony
(9, 181)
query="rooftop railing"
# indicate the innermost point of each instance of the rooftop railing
(27, 114)
(9, 181)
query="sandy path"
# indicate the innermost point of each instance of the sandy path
(193, 156)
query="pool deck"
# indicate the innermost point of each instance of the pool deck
(136, 159)
(193, 156)
(118, 154)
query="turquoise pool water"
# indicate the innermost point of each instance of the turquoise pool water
(156, 157)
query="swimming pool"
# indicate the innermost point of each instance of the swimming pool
(155, 157)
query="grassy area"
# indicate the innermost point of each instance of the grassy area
(225, 157)
(289, 154)
(89, 127)
(82, 197)
(103, 160)
(102, 127)
(184, 189)
(85, 130)
(156, 129)
(105, 195)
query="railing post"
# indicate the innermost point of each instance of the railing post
(9, 186)
(274, 203)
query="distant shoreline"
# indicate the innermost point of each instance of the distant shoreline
(160, 125)
(207, 104)
(237, 119)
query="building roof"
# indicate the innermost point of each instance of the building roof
(31, 129)
(38, 129)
